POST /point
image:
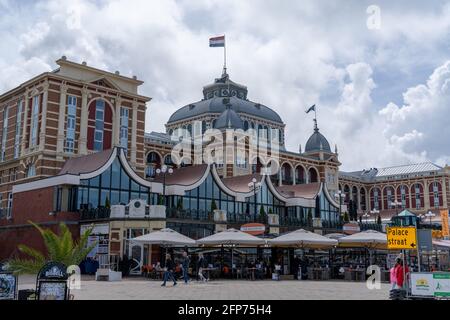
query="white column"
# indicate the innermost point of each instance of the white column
(116, 123)
(23, 142)
(134, 133)
(82, 144)
(43, 117)
(61, 119)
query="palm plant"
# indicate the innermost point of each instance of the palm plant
(60, 248)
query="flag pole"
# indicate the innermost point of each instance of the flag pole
(224, 53)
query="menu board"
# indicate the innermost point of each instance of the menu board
(8, 286)
(52, 290)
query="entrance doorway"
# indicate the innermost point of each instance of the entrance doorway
(137, 253)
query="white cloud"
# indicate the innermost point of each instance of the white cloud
(290, 55)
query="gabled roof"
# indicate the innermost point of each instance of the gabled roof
(308, 191)
(86, 164)
(240, 183)
(185, 176)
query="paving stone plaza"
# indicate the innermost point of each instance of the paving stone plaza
(142, 289)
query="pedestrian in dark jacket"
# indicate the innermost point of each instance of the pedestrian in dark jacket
(200, 266)
(169, 267)
(185, 267)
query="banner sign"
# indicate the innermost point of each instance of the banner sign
(444, 220)
(441, 284)
(422, 284)
(429, 284)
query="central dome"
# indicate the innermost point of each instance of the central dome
(212, 102)
(317, 142)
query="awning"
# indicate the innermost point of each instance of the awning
(368, 239)
(165, 237)
(231, 237)
(303, 239)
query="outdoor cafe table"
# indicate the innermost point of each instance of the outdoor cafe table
(355, 275)
(319, 273)
(209, 271)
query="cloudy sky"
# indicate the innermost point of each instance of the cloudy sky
(380, 78)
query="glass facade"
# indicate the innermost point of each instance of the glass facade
(112, 187)
(192, 213)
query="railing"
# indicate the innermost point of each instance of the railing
(95, 213)
(370, 226)
(332, 225)
(199, 215)
(295, 222)
(245, 218)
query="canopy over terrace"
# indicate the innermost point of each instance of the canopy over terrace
(303, 239)
(231, 237)
(165, 237)
(370, 239)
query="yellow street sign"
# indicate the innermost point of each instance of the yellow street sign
(401, 238)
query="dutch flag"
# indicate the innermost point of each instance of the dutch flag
(217, 41)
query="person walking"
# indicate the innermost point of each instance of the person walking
(168, 268)
(185, 267)
(401, 274)
(200, 266)
(393, 276)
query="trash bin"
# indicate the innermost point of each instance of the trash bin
(25, 294)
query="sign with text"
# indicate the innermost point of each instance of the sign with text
(253, 228)
(424, 239)
(8, 286)
(422, 284)
(401, 238)
(441, 284)
(444, 220)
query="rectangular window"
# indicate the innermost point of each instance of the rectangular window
(9, 207)
(34, 121)
(124, 116)
(375, 199)
(403, 196)
(436, 194)
(4, 133)
(31, 172)
(71, 121)
(99, 125)
(18, 129)
(417, 189)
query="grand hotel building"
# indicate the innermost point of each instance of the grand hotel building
(74, 150)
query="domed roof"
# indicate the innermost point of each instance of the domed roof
(317, 142)
(213, 102)
(229, 119)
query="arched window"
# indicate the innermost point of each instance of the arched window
(300, 176)
(313, 176)
(245, 125)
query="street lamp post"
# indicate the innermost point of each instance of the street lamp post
(164, 170)
(255, 185)
(339, 195)
(430, 215)
(396, 204)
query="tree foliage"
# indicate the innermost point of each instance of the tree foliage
(59, 248)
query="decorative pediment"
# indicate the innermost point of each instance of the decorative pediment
(105, 82)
